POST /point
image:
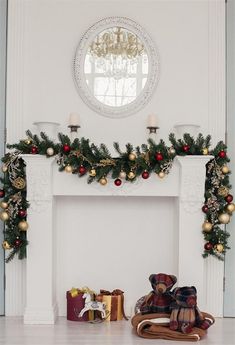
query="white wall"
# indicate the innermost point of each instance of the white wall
(43, 36)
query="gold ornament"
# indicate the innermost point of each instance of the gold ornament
(103, 181)
(225, 169)
(3, 204)
(230, 207)
(92, 172)
(28, 141)
(19, 183)
(132, 156)
(131, 175)
(207, 226)
(50, 151)
(23, 225)
(172, 151)
(6, 245)
(223, 191)
(205, 151)
(219, 247)
(4, 168)
(161, 174)
(122, 174)
(224, 218)
(68, 168)
(4, 216)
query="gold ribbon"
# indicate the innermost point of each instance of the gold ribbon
(74, 292)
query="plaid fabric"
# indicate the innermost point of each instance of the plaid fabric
(185, 297)
(162, 278)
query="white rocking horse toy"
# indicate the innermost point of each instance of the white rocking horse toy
(93, 305)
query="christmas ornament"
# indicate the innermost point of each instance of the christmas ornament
(17, 242)
(207, 226)
(205, 151)
(186, 148)
(103, 181)
(132, 156)
(219, 247)
(66, 148)
(222, 154)
(161, 174)
(34, 150)
(225, 169)
(4, 216)
(4, 168)
(28, 141)
(208, 246)
(131, 175)
(82, 170)
(2, 193)
(223, 191)
(145, 175)
(19, 183)
(6, 245)
(118, 182)
(122, 174)
(172, 151)
(229, 198)
(205, 208)
(68, 168)
(92, 172)
(3, 204)
(224, 218)
(22, 213)
(158, 156)
(50, 151)
(230, 208)
(23, 225)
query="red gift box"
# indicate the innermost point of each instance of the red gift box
(75, 303)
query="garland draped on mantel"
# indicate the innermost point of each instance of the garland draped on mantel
(86, 159)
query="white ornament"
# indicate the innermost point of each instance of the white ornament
(50, 151)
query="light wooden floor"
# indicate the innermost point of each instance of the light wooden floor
(13, 332)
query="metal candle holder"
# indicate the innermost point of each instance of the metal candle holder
(152, 129)
(74, 128)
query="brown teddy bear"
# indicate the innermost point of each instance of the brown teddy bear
(160, 298)
(185, 313)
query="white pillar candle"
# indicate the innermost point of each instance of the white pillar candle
(74, 119)
(152, 120)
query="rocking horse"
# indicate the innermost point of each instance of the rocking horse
(93, 305)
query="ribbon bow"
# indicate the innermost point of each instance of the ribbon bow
(115, 292)
(74, 292)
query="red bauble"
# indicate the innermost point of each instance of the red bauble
(229, 198)
(17, 242)
(118, 182)
(22, 213)
(186, 148)
(205, 208)
(66, 148)
(222, 154)
(145, 175)
(34, 150)
(82, 170)
(158, 156)
(2, 193)
(208, 246)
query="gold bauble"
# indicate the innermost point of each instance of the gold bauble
(225, 169)
(161, 174)
(50, 151)
(223, 191)
(122, 174)
(4, 168)
(3, 204)
(103, 181)
(224, 218)
(19, 183)
(68, 169)
(230, 207)
(172, 151)
(205, 151)
(207, 226)
(4, 216)
(131, 175)
(92, 172)
(132, 156)
(6, 245)
(23, 225)
(219, 247)
(28, 141)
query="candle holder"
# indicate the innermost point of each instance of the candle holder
(74, 128)
(152, 129)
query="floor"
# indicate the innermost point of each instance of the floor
(14, 332)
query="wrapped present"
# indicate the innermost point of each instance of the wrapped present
(76, 303)
(114, 304)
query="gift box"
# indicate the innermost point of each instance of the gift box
(76, 302)
(114, 304)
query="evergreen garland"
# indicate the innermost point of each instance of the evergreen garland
(86, 159)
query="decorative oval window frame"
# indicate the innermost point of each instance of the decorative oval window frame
(79, 76)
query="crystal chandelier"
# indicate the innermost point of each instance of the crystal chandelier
(116, 51)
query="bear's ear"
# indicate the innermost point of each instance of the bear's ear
(152, 278)
(195, 290)
(174, 291)
(174, 279)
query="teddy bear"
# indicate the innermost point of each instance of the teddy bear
(160, 298)
(184, 311)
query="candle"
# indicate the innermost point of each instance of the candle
(74, 119)
(152, 120)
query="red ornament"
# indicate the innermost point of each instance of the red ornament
(82, 170)
(34, 150)
(22, 213)
(229, 198)
(222, 154)
(186, 148)
(17, 242)
(205, 208)
(2, 193)
(158, 156)
(118, 182)
(145, 175)
(66, 148)
(208, 246)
